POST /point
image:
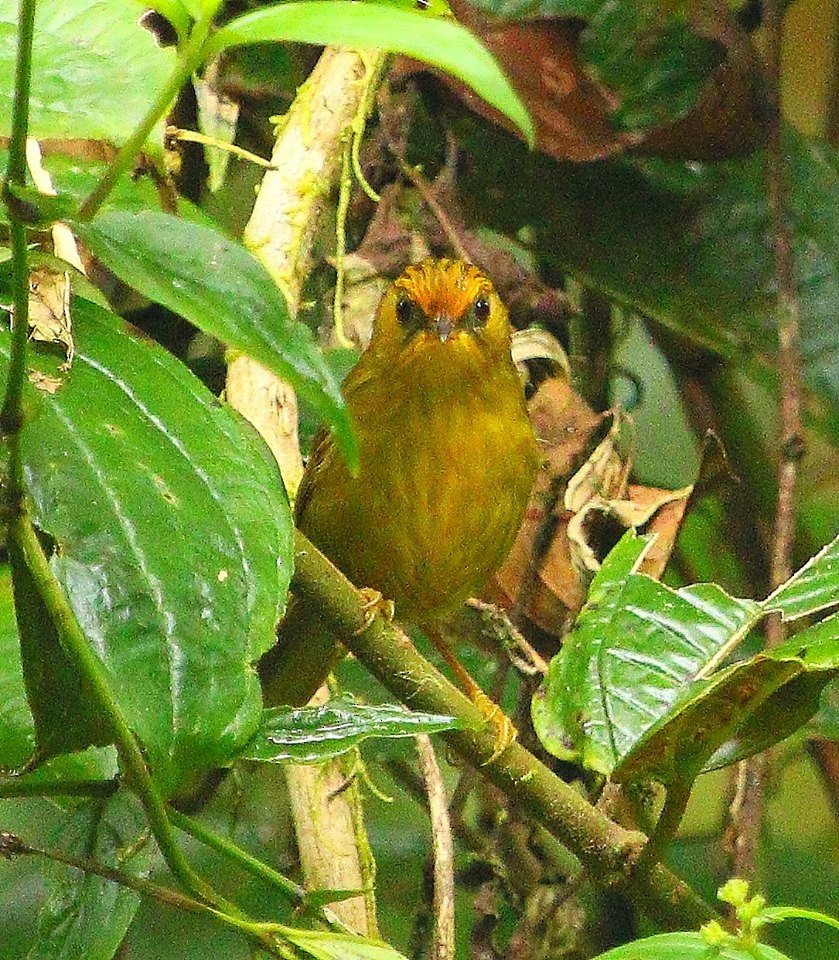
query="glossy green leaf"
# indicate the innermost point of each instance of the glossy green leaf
(171, 536)
(636, 690)
(440, 42)
(86, 916)
(708, 715)
(635, 645)
(337, 946)
(687, 946)
(813, 588)
(315, 734)
(222, 289)
(83, 48)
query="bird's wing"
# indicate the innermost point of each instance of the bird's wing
(322, 449)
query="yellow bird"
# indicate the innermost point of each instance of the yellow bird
(447, 460)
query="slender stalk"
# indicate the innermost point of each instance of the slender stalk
(263, 934)
(752, 774)
(188, 62)
(11, 415)
(787, 314)
(250, 864)
(23, 787)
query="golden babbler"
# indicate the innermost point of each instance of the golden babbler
(447, 460)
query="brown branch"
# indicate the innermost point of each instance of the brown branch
(606, 849)
(748, 809)
(280, 232)
(441, 833)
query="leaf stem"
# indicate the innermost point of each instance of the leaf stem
(11, 415)
(264, 934)
(189, 60)
(250, 864)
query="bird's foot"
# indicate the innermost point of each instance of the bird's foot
(502, 725)
(373, 605)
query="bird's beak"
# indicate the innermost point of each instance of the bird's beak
(444, 325)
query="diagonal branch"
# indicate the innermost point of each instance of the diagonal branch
(607, 850)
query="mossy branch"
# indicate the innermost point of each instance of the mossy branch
(610, 853)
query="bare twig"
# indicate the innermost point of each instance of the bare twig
(441, 834)
(747, 810)
(434, 205)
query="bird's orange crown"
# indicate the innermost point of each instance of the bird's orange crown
(443, 286)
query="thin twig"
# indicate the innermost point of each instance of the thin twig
(433, 204)
(255, 867)
(748, 808)
(441, 834)
(787, 312)
(264, 935)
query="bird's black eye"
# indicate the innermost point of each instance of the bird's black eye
(409, 314)
(404, 310)
(480, 311)
(423, 4)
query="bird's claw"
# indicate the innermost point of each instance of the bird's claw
(502, 725)
(373, 605)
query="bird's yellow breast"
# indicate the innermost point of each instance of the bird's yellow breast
(447, 461)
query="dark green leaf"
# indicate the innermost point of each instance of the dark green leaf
(82, 49)
(742, 710)
(86, 917)
(172, 540)
(648, 55)
(314, 734)
(17, 732)
(222, 289)
(63, 723)
(17, 736)
(440, 42)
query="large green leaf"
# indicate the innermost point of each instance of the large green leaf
(94, 72)
(171, 535)
(314, 734)
(635, 689)
(440, 42)
(86, 917)
(222, 289)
